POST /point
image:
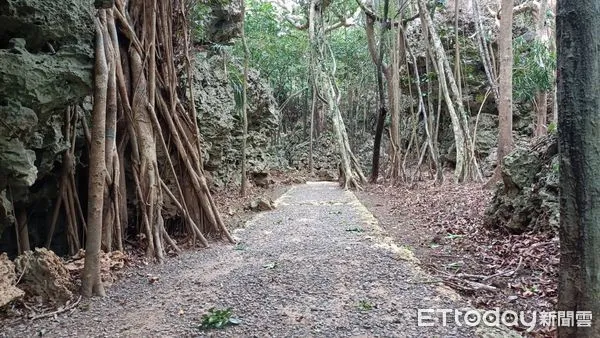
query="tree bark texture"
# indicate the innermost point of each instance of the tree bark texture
(578, 47)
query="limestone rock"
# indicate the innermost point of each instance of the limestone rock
(220, 122)
(520, 167)
(527, 197)
(46, 63)
(261, 179)
(326, 175)
(226, 21)
(487, 133)
(8, 279)
(7, 214)
(262, 204)
(43, 22)
(45, 276)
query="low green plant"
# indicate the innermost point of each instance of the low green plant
(270, 266)
(552, 129)
(453, 236)
(241, 246)
(217, 319)
(365, 305)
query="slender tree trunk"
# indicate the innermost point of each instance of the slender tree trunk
(313, 110)
(313, 85)
(109, 218)
(505, 52)
(323, 70)
(578, 42)
(485, 53)
(381, 69)
(466, 165)
(541, 109)
(23, 230)
(541, 98)
(91, 282)
(396, 53)
(457, 48)
(244, 185)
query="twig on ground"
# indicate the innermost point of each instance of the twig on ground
(506, 273)
(59, 311)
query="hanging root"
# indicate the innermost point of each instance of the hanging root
(145, 113)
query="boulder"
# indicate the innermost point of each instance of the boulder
(8, 280)
(527, 197)
(487, 133)
(47, 25)
(520, 167)
(262, 204)
(45, 276)
(327, 175)
(261, 179)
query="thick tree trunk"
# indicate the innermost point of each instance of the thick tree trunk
(145, 77)
(578, 46)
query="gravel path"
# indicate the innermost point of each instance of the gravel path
(317, 265)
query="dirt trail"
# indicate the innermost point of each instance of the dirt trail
(317, 265)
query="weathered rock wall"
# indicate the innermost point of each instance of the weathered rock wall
(46, 60)
(220, 124)
(527, 197)
(46, 65)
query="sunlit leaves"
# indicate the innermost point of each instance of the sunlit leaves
(533, 69)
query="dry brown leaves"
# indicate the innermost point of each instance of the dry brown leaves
(489, 265)
(111, 264)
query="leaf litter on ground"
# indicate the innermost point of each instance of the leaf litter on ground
(446, 226)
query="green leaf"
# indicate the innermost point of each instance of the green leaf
(271, 265)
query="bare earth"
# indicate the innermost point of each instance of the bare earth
(318, 265)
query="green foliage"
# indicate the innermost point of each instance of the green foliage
(552, 128)
(276, 49)
(201, 15)
(270, 266)
(354, 65)
(555, 167)
(217, 319)
(236, 82)
(240, 246)
(533, 69)
(365, 305)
